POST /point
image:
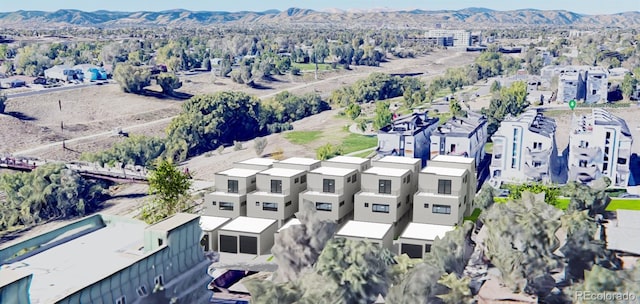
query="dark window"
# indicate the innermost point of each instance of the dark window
(441, 209)
(204, 242)
(608, 135)
(276, 186)
(329, 185)
(537, 163)
(269, 206)
(226, 206)
(296, 180)
(228, 243)
(349, 179)
(158, 280)
(381, 208)
(121, 300)
(232, 186)
(427, 248)
(408, 199)
(354, 178)
(605, 166)
(408, 179)
(253, 180)
(160, 242)
(413, 251)
(341, 203)
(323, 206)
(248, 244)
(583, 163)
(622, 161)
(142, 291)
(444, 186)
(243, 204)
(303, 179)
(426, 205)
(366, 205)
(398, 205)
(213, 203)
(257, 204)
(384, 186)
(287, 204)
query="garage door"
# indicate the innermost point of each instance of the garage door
(228, 243)
(413, 251)
(248, 244)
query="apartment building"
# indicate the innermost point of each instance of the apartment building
(256, 163)
(277, 193)
(459, 37)
(461, 136)
(408, 136)
(399, 162)
(230, 198)
(298, 163)
(442, 197)
(580, 83)
(384, 197)
(331, 190)
(524, 149)
(416, 240)
(350, 162)
(599, 145)
(465, 163)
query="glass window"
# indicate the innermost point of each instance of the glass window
(384, 186)
(441, 209)
(276, 186)
(426, 205)
(303, 179)
(232, 186)
(287, 204)
(323, 206)
(296, 180)
(354, 178)
(381, 208)
(226, 206)
(444, 186)
(329, 185)
(269, 206)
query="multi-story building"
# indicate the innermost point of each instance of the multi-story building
(298, 163)
(571, 86)
(408, 136)
(256, 163)
(460, 37)
(581, 83)
(230, 198)
(108, 259)
(277, 193)
(599, 145)
(524, 149)
(465, 163)
(331, 191)
(442, 196)
(461, 136)
(385, 197)
(350, 162)
(399, 162)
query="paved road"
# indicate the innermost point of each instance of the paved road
(51, 90)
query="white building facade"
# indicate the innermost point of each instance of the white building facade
(461, 136)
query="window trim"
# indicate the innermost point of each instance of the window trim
(442, 186)
(328, 185)
(230, 188)
(384, 186)
(276, 184)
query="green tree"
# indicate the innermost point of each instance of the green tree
(353, 110)
(170, 187)
(459, 291)
(484, 198)
(327, 151)
(551, 192)
(495, 86)
(456, 109)
(132, 79)
(383, 115)
(628, 86)
(168, 82)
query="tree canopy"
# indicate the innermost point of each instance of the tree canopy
(132, 79)
(170, 187)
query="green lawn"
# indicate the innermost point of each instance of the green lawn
(356, 142)
(563, 203)
(474, 216)
(312, 66)
(302, 137)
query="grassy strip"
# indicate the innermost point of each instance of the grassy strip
(357, 142)
(474, 216)
(563, 202)
(302, 137)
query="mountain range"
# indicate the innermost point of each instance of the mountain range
(471, 17)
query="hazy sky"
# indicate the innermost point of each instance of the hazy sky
(579, 6)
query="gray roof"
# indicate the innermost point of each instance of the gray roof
(461, 126)
(537, 122)
(174, 222)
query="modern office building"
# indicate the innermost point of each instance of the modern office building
(230, 198)
(377, 233)
(298, 163)
(358, 163)
(442, 196)
(108, 259)
(524, 149)
(277, 193)
(385, 197)
(248, 235)
(417, 238)
(457, 37)
(408, 136)
(256, 163)
(331, 191)
(599, 145)
(461, 136)
(210, 226)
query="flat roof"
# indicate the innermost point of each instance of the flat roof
(248, 224)
(364, 230)
(210, 223)
(291, 222)
(173, 222)
(348, 159)
(435, 195)
(223, 193)
(399, 160)
(238, 172)
(69, 267)
(258, 161)
(283, 172)
(428, 232)
(334, 171)
(300, 161)
(628, 218)
(387, 171)
(443, 171)
(454, 159)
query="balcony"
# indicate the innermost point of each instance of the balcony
(590, 153)
(535, 154)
